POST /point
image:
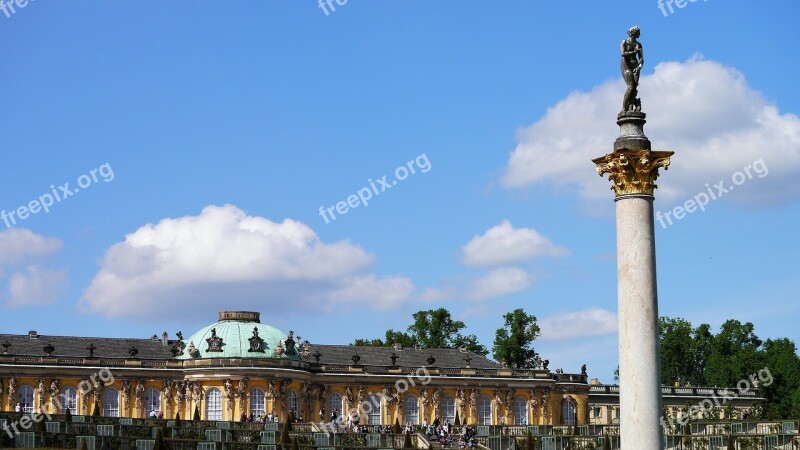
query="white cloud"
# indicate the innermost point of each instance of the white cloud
(24, 257)
(223, 258)
(18, 245)
(36, 286)
(573, 325)
(503, 244)
(500, 283)
(706, 112)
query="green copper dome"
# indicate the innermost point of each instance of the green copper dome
(237, 334)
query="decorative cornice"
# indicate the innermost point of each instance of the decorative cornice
(633, 172)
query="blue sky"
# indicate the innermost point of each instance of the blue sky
(228, 126)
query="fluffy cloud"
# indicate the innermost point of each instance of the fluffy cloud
(500, 283)
(503, 244)
(19, 245)
(223, 258)
(23, 258)
(579, 324)
(706, 112)
(36, 285)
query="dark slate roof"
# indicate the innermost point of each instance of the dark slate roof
(76, 346)
(23, 345)
(413, 357)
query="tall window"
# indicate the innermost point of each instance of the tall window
(25, 399)
(449, 410)
(568, 412)
(412, 409)
(257, 403)
(520, 411)
(484, 411)
(334, 404)
(293, 403)
(213, 404)
(152, 400)
(374, 417)
(111, 403)
(69, 400)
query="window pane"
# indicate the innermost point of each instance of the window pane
(449, 410)
(69, 400)
(412, 410)
(26, 399)
(374, 403)
(520, 411)
(152, 401)
(484, 411)
(293, 403)
(568, 412)
(213, 404)
(335, 404)
(257, 402)
(111, 403)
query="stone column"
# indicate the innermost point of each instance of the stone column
(633, 169)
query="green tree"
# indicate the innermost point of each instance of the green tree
(434, 328)
(196, 413)
(783, 367)
(159, 443)
(734, 354)
(514, 342)
(676, 344)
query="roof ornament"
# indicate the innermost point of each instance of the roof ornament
(214, 342)
(317, 355)
(306, 352)
(356, 358)
(279, 350)
(133, 351)
(192, 350)
(431, 360)
(91, 349)
(394, 358)
(289, 342)
(6, 345)
(256, 342)
(49, 349)
(467, 360)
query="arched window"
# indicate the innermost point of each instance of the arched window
(568, 412)
(293, 403)
(25, 399)
(257, 403)
(152, 401)
(213, 404)
(520, 411)
(69, 400)
(335, 404)
(374, 409)
(412, 410)
(448, 410)
(484, 411)
(111, 403)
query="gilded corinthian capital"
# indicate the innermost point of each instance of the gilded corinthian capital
(633, 171)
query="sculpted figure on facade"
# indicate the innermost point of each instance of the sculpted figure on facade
(125, 393)
(362, 394)
(545, 401)
(348, 394)
(461, 395)
(197, 392)
(272, 390)
(535, 404)
(180, 392)
(509, 406)
(2, 390)
(241, 391)
(227, 386)
(426, 401)
(437, 399)
(473, 403)
(167, 392)
(39, 393)
(138, 395)
(55, 390)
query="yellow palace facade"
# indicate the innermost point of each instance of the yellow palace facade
(237, 365)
